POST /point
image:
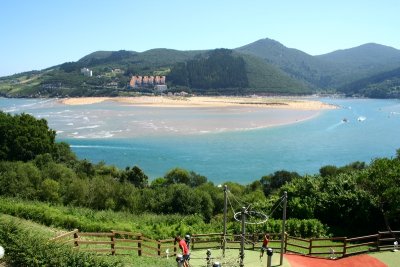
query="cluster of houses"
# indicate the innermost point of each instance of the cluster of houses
(158, 82)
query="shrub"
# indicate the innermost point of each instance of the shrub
(31, 248)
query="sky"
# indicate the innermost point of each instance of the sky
(36, 34)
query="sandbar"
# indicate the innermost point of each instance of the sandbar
(207, 101)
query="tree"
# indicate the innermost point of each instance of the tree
(276, 180)
(50, 191)
(159, 182)
(19, 179)
(135, 176)
(23, 137)
(196, 180)
(381, 181)
(62, 153)
(178, 176)
(328, 170)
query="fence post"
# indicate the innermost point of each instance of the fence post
(193, 240)
(286, 237)
(159, 248)
(378, 242)
(254, 240)
(139, 244)
(344, 246)
(113, 243)
(310, 247)
(76, 237)
(175, 245)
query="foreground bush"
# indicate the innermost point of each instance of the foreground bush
(31, 248)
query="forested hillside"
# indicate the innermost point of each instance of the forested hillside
(262, 67)
(382, 85)
(202, 72)
(295, 63)
(220, 69)
(336, 70)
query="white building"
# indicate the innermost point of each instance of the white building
(87, 72)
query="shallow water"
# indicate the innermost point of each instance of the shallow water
(223, 144)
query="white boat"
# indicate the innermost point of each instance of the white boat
(361, 118)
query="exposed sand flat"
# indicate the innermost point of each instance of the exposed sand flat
(205, 101)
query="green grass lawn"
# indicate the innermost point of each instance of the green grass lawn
(390, 258)
(251, 258)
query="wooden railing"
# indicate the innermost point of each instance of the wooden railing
(128, 243)
(341, 246)
(118, 242)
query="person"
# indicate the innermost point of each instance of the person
(265, 244)
(187, 240)
(185, 250)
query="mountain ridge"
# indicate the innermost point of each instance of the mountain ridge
(271, 67)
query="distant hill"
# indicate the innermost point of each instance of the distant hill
(382, 85)
(211, 72)
(223, 71)
(332, 70)
(293, 62)
(362, 61)
(367, 57)
(262, 67)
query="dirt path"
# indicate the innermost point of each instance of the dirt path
(354, 261)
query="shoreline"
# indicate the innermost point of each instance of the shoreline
(206, 102)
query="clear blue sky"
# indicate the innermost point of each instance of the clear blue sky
(36, 34)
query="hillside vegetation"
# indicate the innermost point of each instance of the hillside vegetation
(382, 85)
(201, 72)
(263, 67)
(330, 71)
(54, 175)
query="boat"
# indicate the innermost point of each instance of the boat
(361, 118)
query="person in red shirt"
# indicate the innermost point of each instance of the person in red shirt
(264, 245)
(185, 250)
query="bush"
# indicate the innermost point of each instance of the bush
(31, 248)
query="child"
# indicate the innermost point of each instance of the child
(264, 245)
(185, 250)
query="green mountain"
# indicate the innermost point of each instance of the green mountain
(293, 62)
(383, 85)
(362, 61)
(333, 70)
(220, 71)
(262, 67)
(367, 57)
(233, 73)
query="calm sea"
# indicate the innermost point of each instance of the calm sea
(222, 144)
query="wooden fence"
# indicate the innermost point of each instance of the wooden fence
(128, 243)
(337, 247)
(118, 243)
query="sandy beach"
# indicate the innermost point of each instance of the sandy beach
(205, 101)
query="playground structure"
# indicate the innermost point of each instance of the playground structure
(248, 216)
(128, 243)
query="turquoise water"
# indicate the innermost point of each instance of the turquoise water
(160, 139)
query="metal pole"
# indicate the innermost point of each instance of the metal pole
(270, 252)
(283, 225)
(243, 235)
(225, 211)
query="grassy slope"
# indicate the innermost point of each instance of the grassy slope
(49, 232)
(265, 77)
